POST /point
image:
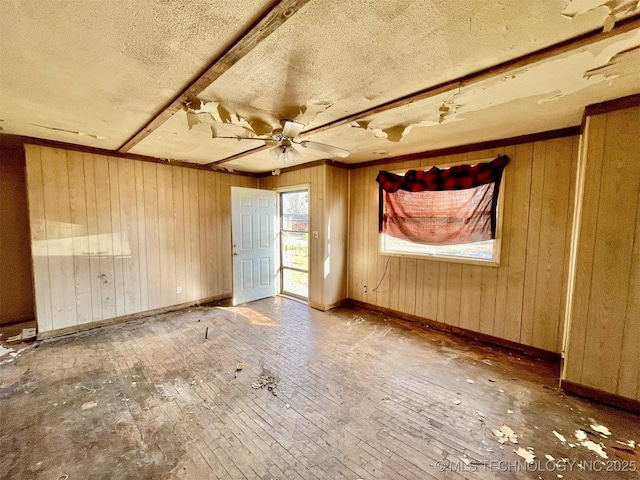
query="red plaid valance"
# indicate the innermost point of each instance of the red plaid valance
(424, 207)
(458, 177)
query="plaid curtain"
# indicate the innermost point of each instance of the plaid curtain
(442, 206)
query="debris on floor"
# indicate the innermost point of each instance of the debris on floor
(594, 447)
(526, 454)
(601, 429)
(357, 320)
(560, 437)
(239, 367)
(4, 351)
(582, 438)
(12, 354)
(630, 443)
(505, 434)
(469, 380)
(267, 381)
(88, 405)
(26, 334)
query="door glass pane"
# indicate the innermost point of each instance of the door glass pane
(295, 211)
(295, 250)
(295, 282)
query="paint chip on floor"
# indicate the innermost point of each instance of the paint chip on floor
(595, 447)
(560, 437)
(526, 454)
(580, 435)
(88, 405)
(601, 429)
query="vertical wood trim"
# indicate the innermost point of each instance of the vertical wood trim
(593, 146)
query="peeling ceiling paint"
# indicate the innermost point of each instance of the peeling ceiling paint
(616, 9)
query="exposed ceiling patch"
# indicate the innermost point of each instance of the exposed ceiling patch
(251, 120)
(617, 9)
(621, 64)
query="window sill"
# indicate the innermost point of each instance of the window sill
(443, 258)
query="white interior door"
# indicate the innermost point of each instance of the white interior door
(253, 214)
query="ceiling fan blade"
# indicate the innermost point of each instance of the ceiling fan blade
(246, 138)
(340, 152)
(292, 129)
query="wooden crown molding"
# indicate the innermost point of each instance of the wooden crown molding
(302, 166)
(8, 140)
(472, 147)
(610, 106)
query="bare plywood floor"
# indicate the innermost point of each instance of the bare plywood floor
(359, 396)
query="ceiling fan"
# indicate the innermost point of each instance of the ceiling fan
(289, 136)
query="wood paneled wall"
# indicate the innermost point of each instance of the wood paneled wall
(336, 236)
(113, 237)
(603, 346)
(327, 215)
(523, 299)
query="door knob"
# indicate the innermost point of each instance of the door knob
(235, 254)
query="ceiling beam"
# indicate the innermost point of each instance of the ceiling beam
(586, 39)
(623, 26)
(278, 13)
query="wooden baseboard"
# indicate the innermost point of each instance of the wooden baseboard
(126, 318)
(600, 396)
(324, 308)
(518, 347)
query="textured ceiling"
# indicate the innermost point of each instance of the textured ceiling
(95, 73)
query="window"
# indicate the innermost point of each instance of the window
(450, 214)
(294, 243)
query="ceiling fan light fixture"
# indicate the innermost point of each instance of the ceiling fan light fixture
(275, 153)
(291, 153)
(284, 153)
